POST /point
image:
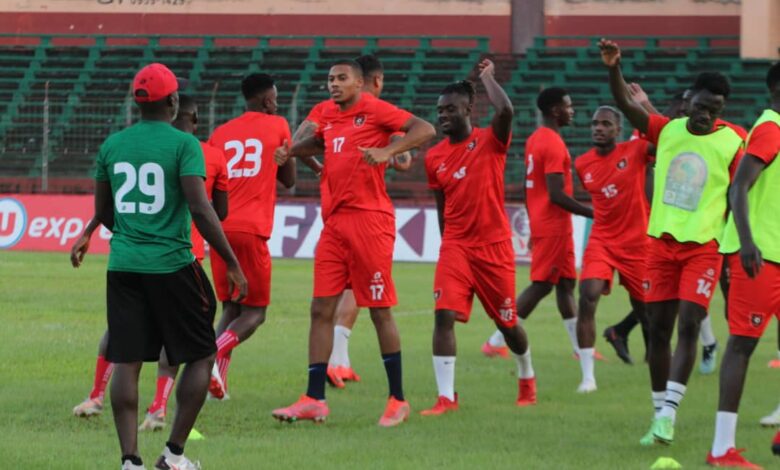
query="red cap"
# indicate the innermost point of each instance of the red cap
(156, 80)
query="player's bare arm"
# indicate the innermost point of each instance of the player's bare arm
(748, 171)
(502, 120)
(81, 246)
(636, 114)
(286, 174)
(417, 132)
(402, 161)
(640, 97)
(309, 146)
(438, 194)
(104, 204)
(558, 196)
(219, 200)
(208, 225)
(306, 129)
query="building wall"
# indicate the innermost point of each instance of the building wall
(363, 17)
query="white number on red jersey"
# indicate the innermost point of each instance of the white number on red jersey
(609, 191)
(377, 290)
(250, 151)
(704, 288)
(529, 183)
(151, 182)
(338, 142)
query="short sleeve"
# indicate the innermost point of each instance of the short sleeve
(430, 171)
(101, 172)
(191, 160)
(496, 143)
(315, 115)
(390, 117)
(640, 148)
(655, 124)
(764, 142)
(217, 162)
(554, 156)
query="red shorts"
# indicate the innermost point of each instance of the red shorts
(753, 302)
(488, 271)
(601, 260)
(552, 258)
(682, 271)
(356, 250)
(255, 261)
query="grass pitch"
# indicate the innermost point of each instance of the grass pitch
(52, 317)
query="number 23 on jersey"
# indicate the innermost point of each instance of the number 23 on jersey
(249, 151)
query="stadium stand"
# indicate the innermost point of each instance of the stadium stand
(82, 82)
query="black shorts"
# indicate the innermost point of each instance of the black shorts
(149, 311)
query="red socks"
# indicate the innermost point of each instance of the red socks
(103, 370)
(164, 389)
(226, 342)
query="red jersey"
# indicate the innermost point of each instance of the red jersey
(616, 183)
(216, 178)
(351, 183)
(545, 153)
(471, 175)
(765, 142)
(249, 142)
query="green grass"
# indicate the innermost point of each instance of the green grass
(53, 316)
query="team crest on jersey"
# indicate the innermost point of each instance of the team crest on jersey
(471, 145)
(437, 294)
(359, 120)
(756, 319)
(622, 164)
(588, 178)
(646, 285)
(460, 174)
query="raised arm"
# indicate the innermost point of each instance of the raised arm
(208, 225)
(636, 115)
(748, 171)
(555, 189)
(640, 97)
(504, 112)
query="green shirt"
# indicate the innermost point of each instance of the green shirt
(763, 206)
(691, 182)
(143, 164)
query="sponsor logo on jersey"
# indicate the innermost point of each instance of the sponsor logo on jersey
(360, 119)
(442, 168)
(471, 145)
(460, 174)
(622, 164)
(328, 127)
